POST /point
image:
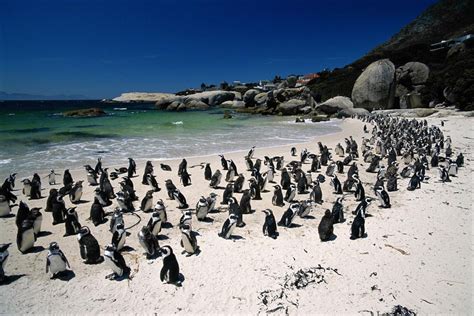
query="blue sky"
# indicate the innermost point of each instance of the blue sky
(103, 48)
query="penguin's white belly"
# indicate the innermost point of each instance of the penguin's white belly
(113, 266)
(145, 246)
(230, 231)
(52, 179)
(37, 224)
(201, 212)
(27, 190)
(56, 264)
(121, 242)
(148, 205)
(76, 196)
(156, 229)
(188, 247)
(91, 180)
(27, 240)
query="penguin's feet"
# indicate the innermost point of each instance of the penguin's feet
(111, 276)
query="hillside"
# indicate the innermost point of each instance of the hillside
(443, 20)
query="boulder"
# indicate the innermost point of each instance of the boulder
(319, 118)
(142, 97)
(352, 111)
(261, 98)
(412, 73)
(291, 107)
(212, 98)
(335, 105)
(375, 86)
(192, 104)
(173, 106)
(306, 110)
(163, 103)
(249, 97)
(91, 112)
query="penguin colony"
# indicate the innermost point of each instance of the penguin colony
(398, 152)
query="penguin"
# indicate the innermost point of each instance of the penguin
(359, 191)
(52, 177)
(183, 165)
(149, 242)
(202, 208)
(303, 155)
(453, 169)
(326, 228)
(305, 208)
(290, 193)
(98, 167)
(279, 162)
(5, 208)
(301, 185)
(185, 178)
(56, 261)
(188, 240)
(117, 218)
(102, 197)
(337, 211)
(277, 199)
(4, 254)
(25, 238)
(148, 170)
(170, 188)
(358, 225)
(22, 214)
(339, 150)
(339, 166)
(71, 222)
(244, 204)
(289, 215)
(250, 153)
(315, 164)
(227, 193)
(392, 183)
(336, 184)
(59, 210)
(434, 160)
(114, 260)
(124, 202)
(270, 174)
(230, 172)
(76, 192)
(186, 219)
(414, 183)
(331, 169)
(26, 187)
(105, 185)
(207, 172)
(383, 197)
(239, 183)
(91, 175)
(35, 189)
(67, 178)
(460, 160)
(211, 201)
(89, 247)
(119, 236)
(254, 189)
(170, 271)
(234, 208)
(269, 226)
(97, 213)
(132, 168)
(147, 202)
(443, 174)
(223, 162)
(160, 208)
(127, 186)
(154, 223)
(293, 151)
(165, 167)
(180, 198)
(249, 164)
(316, 194)
(228, 227)
(216, 179)
(257, 165)
(151, 181)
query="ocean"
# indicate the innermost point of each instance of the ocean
(36, 137)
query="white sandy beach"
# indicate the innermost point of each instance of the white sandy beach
(418, 254)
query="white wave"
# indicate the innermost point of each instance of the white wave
(5, 161)
(177, 123)
(11, 114)
(120, 109)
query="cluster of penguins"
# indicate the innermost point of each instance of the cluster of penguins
(413, 143)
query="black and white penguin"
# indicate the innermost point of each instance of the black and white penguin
(211, 201)
(315, 165)
(285, 179)
(148, 170)
(170, 188)
(56, 261)
(230, 173)
(178, 196)
(52, 177)
(453, 169)
(183, 165)
(37, 217)
(67, 178)
(188, 240)
(207, 172)
(277, 199)
(202, 208)
(105, 185)
(339, 150)
(165, 167)
(147, 202)
(160, 208)
(102, 197)
(35, 188)
(339, 166)
(223, 162)
(186, 219)
(71, 222)
(76, 192)
(98, 167)
(305, 208)
(229, 189)
(383, 197)
(251, 152)
(255, 189)
(97, 213)
(392, 183)
(293, 151)
(170, 271)
(89, 247)
(132, 168)
(5, 208)
(269, 226)
(216, 179)
(336, 184)
(228, 226)
(117, 218)
(289, 215)
(22, 214)
(257, 165)
(244, 204)
(149, 242)
(358, 225)
(154, 223)
(316, 194)
(4, 254)
(249, 164)
(25, 238)
(290, 193)
(326, 228)
(234, 208)
(91, 175)
(59, 210)
(26, 187)
(359, 190)
(151, 181)
(239, 183)
(124, 202)
(119, 237)
(114, 260)
(338, 211)
(302, 185)
(460, 160)
(443, 174)
(185, 178)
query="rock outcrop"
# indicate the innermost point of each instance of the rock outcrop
(411, 79)
(142, 97)
(335, 105)
(290, 107)
(92, 112)
(375, 86)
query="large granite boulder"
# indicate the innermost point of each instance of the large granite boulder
(91, 112)
(236, 104)
(375, 86)
(212, 98)
(261, 98)
(412, 73)
(335, 105)
(290, 107)
(352, 111)
(192, 104)
(249, 97)
(142, 97)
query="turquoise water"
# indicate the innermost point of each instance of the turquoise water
(37, 140)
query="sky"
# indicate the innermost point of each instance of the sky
(101, 49)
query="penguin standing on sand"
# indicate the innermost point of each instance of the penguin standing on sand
(117, 218)
(277, 199)
(119, 237)
(114, 260)
(207, 172)
(316, 195)
(228, 226)
(287, 217)
(22, 214)
(37, 218)
(132, 168)
(160, 208)
(359, 191)
(269, 226)
(231, 173)
(223, 162)
(215, 179)
(59, 210)
(170, 188)
(285, 179)
(202, 208)
(56, 261)
(89, 247)
(244, 205)
(358, 225)
(76, 192)
(183, 165)
(5, 208)
(178, 196)
(67, 178)
(227, 193)
(154, 224)
(147, 202)
(443, 174)
(52, 177)
(249, 163)
(170, 271)
(383, 197)
(185, 178)
(26, 187)
(151, 181)
(305, 208)
(3, 261)
(211, 201)
(326, 228)
(148, 170)
(97, 213)
(234, 208)
(337, 211)
(71, 222)
(25, 238)
(35, 189)
(239, 183)
(336, 184)
(290, 193)
(188, 240)
(98, 167)
(254, 189)
(149, 242)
